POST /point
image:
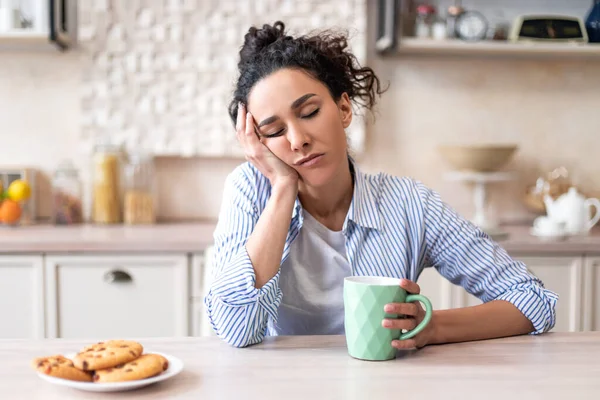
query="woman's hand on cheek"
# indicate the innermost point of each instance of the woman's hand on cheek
(414, 314)
(278, 172)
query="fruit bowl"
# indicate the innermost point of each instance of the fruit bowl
(477, 158)
(12, 201)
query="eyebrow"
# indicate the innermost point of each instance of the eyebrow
(297, 103)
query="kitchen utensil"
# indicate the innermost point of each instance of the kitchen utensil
(364, 300)
(574, 210)
(477, 158)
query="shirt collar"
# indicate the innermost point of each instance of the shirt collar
(364, 210)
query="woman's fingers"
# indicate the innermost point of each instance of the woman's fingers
(404, 344)
(240, 124)
(407, 323)
(410, 286)
(411, 309)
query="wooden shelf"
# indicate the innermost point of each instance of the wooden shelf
(409, 45)
(23, 35)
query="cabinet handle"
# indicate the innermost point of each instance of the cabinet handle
(117, 277)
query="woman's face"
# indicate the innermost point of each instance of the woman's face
(299, 121)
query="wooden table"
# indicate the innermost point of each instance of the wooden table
(554, 365)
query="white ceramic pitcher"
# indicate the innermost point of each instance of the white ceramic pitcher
(574, 210)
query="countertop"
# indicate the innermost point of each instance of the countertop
(548, 366)
(163, 237)
(192, 237)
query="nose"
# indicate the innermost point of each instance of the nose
(298, 139)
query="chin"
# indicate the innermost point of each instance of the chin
(317, 177)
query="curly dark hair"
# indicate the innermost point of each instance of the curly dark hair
(325, 56)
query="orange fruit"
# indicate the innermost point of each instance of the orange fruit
(10, 211)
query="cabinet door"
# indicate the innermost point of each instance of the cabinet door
(117, 296)
(591, 307)
(436, 288)
(562, 275)
(21, 297)
(200, 323)
(201, 279)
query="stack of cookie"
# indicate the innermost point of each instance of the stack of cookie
(111, 361)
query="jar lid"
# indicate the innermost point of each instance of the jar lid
(66, 168)
(425, 9)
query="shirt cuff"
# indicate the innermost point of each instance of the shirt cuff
(536, 303)
(234, 285)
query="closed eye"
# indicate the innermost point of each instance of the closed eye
(281, 131)
(312, 114)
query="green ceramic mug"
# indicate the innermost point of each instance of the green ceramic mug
(364, 299)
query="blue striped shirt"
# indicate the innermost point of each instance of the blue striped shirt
(395, 227)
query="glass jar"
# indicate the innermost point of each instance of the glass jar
(139, 206)
(106, 184)
(424, 21)
(66, 195)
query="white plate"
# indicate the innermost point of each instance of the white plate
(175, 367)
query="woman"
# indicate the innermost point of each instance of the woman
(300, 216)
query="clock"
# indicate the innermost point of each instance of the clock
(471, 26)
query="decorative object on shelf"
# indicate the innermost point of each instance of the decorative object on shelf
(17, 184)
(139, 205)
(451, 16)
(107, 184)
(424, 21)
(67, 195)
(548, 28)
(477, 158)
(471, 26)
(592, 23)
(480, 181)
(554, 184)
(574, 211)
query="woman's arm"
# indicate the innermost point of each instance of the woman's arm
(515, 301)
(265, 244)
(238, 306)
(497, 318)
(494, 319)
(249, 242)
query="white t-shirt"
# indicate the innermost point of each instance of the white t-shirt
(312, 282)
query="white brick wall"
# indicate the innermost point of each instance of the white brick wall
(161, 72)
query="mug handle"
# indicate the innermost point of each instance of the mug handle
(411, 298)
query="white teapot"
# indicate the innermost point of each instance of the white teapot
(574, 210)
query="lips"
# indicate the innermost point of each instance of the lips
(307, 160)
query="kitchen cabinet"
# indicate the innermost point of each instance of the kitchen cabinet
(562, 275)
(201, 278)
(21, 297)
(27, 23)
(116, 296)
(436, 288)
(591, 294)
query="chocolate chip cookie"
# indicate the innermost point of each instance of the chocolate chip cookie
(145, 366)
(107, 354)
(60, 367)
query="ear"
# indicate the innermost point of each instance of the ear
(345, 107)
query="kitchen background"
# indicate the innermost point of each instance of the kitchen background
(158, 75)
